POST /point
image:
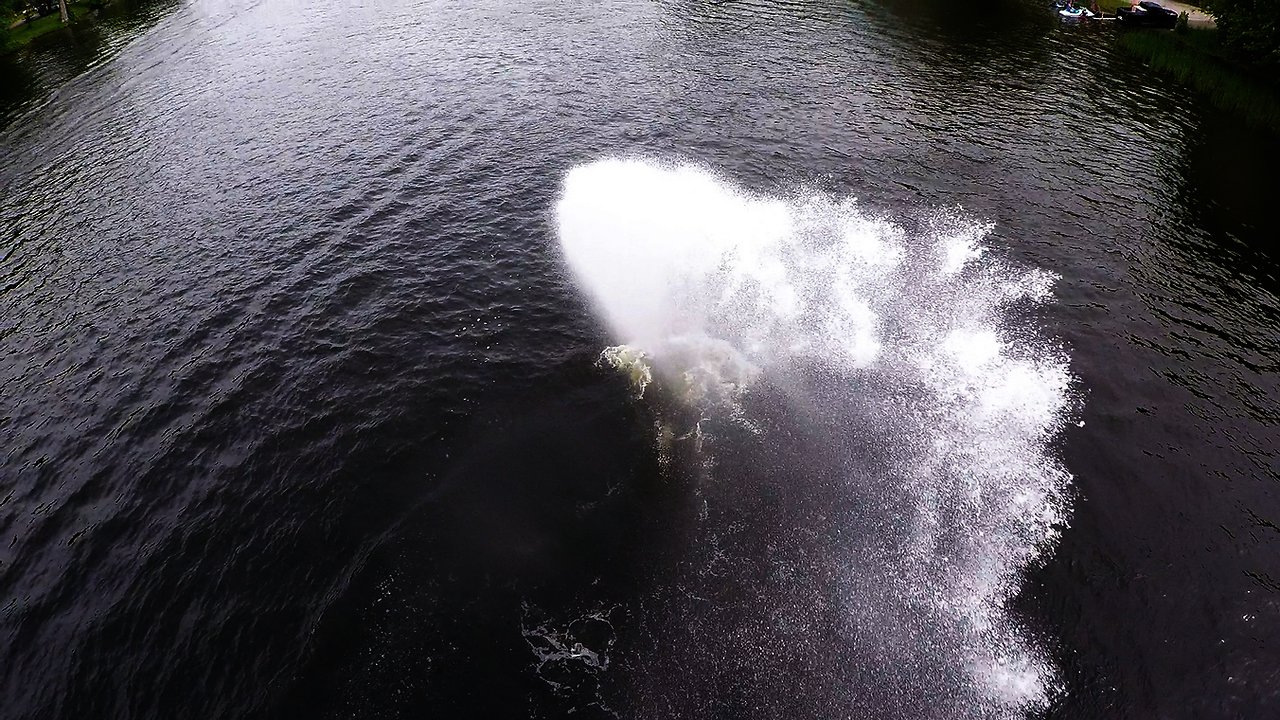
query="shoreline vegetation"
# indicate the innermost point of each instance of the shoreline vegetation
(1226, 54)
(21, 23)
(1198, 58)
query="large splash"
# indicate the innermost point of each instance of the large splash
(890, 390)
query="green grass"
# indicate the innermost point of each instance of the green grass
(1196, 58)
(23, 34)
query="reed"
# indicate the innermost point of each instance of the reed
(1195, 58)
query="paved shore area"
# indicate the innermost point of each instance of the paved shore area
(1195, 16)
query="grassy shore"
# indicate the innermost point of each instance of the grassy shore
(22, 35)
(1196, 58)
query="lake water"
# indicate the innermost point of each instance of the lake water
(640, 359)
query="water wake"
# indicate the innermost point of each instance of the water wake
(896, 476)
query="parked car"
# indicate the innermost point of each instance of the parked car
(1147, 14)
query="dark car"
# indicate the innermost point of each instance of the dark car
(1147, 14)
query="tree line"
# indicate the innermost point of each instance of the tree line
(1250, 29)
(19, 8)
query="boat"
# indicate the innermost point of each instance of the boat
(1147, 14)
(1075, 13)
(1071, 12)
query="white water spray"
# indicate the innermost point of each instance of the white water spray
(713, 287)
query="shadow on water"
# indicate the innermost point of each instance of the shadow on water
(1227, 255)
(1229, 182)
(17, 83)
(965, 31)
(962, 19)
(31, 74)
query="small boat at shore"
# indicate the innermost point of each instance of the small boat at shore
(1075, 13)
(1147, 14)
(1071, 12)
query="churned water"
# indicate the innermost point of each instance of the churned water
(891, 349)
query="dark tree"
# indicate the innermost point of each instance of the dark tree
(1250, 29)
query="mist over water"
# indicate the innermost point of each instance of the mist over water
(874, 428)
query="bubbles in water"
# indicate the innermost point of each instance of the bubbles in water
(569, 656)
(898, 397)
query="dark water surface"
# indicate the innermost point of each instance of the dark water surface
(300, 414)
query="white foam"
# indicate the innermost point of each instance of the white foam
(713, 282)
(631, 362)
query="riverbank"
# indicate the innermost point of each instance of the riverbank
(1195, 55)
(1198, 59)
(1196, 17)
(22, 34)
